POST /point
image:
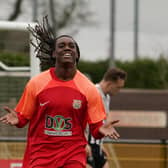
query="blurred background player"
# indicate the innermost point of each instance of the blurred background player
(111, 83)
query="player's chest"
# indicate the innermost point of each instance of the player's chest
(62, 98)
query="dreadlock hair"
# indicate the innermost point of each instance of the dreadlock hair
(46, 42)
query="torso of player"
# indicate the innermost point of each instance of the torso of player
(59, 110)
(60, 113)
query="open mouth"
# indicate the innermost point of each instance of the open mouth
(67, 55)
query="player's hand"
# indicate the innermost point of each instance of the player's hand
(108, 130)
(10, 118)
(88, 150)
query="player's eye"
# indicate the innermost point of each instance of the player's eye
(71, 45)
(61, 45)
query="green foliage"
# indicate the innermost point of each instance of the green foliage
(146, 73)
(14, 59)
(142, 73)
(94, 70)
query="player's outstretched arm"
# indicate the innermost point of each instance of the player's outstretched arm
(10, 118)
(107, 129)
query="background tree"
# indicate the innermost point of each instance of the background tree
(63, 14)
(16, 10)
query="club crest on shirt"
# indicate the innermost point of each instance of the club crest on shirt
(77, 104)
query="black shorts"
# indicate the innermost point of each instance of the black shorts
(98, 156)
(90, 161)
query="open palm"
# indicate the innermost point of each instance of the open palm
(10, 118)
(108, 130)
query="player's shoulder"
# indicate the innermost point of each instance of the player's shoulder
(40, 78)
(84, 79)
(86, 84)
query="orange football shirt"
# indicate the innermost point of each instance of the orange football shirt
(57, 112)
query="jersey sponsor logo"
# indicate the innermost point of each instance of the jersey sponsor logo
(57, 133)
(58, 126)
(77, 104)
(43, 104)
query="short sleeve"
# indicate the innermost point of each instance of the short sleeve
(96, 110)
(95, 107)
(27, 103)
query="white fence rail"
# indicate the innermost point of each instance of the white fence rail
(21, 26)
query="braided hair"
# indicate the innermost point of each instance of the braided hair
(46, 42)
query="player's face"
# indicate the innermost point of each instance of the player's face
(65, 50)
(115, 87)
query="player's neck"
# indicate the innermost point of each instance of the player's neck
(65, 74)
(103, 87)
